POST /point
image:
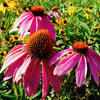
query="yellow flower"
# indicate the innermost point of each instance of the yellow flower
(90, 9)
(71, 10)
(6, 39)
(2, 29)
(3, 54)
(62, 32)
(12, 4)
(7, 5)
(88, 16)
(3, 8)
(10, 45)
(17, 12)
(59, 21)
(14, 38)
(62, 21)
(65, 21)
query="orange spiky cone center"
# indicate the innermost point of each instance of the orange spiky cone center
(80, 47)
(40, 43)
(54, 8)
(37, 11)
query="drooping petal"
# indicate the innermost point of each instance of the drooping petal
(81, 70)
(22, 17)
(26, 83)
(14, 49)
(55, 80)
(95, 54)
(44, 25)
(45, 81)
(25, 25)
(21, 70)
(40, 23)
(50, 28)
(13, 67)
(95, 61)
(59, 55)
(63, 67)
(49, 14)
(93, 68)
(35, 75)
(34, 25)
(57, 14)
(11, 59)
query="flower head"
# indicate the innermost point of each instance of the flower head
(15, 38)
(71, 10)
(37, 11)
(54, 8)
(24, 60)
(81, 54)
(40, 44)
(36, 19)
(3, 54)
(54, 13)
(80, 47)
(7, 5)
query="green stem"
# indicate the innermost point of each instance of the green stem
(68, 80)
(31, 98)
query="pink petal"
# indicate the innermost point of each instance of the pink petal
(13, 67)
(22, 17)
(66, 64)
(50, 28)
(50, 13)
(81, 70)
(45, 81)
(95, 61)
(11, 59)
(59, 55)
(14, 49)
(21, 70)
(95, 54)
(63, 61)
(25, 25)
(26, 76)
(57, 14)
(41, 23)
(35, 75)
(93, 68)
(34, 25)
(55, 80)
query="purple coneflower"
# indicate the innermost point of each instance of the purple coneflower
(35, 20)
(54, 13)
(81, 54)
(25, 59)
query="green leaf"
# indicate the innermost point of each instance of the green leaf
(21, 89)
(85, 26)
(95, 24)
(37, 93)
(49, 98)
(97, 48)
(8, 96)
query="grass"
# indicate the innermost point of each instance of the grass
(83, 24)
